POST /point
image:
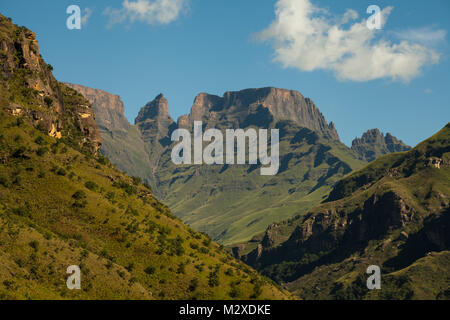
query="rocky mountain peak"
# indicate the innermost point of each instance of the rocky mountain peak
(241, 108)
(156, 125)
(158, 109)
(373, 143)
(370, 136)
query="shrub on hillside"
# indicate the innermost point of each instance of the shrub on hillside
(150, 270)
(91, 185)
(79, 195)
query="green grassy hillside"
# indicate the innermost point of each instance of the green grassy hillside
(62, 204)
(394, 213)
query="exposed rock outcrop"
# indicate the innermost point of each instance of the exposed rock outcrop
(36, 94)
(154, 119)
(373, 144)
(260, 107)
(122, 142)
(109, 108)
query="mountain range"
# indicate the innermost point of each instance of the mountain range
(234, 203)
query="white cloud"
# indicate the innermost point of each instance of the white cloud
(309, 38)
(85, 17)
(426, 35)
(154, 12)
(428, 91)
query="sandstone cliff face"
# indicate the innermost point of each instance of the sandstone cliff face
(156, 126)
(260, 107)
(109, 108)
(154, 119)
(373, 144)
(122, 143)
(34, 92)
(20, 50)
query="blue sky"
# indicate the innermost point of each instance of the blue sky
(216, 46)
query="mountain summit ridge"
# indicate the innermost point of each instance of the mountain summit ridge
(269, 103)
(373, 143)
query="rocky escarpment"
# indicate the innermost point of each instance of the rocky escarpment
(154, 120)
(156, 126)
(109, 108)
(28, 89)
(259, 107)
(122, 143)
(373, 144)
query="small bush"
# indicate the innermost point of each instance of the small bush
(19, 122)
(34, 244)
(61, 172)
(40, 141)
(110, 195)
(91, 185)
(22, 211)
(235, 292)
(20, 152)
(4, 182)
(181, 268)
(130, 267)
(79, 195)
(229, 272)
(150, 270)
(17, 180)
(147, 186)
(41, 151)
(102, 160)
(213, 278)
(48, 101)
(129, 189)
(137, 181)
(193, 285)
(206, 242)
(257, 291)
(80, 204)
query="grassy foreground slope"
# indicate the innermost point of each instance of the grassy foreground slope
(61, 204)
(394, 213)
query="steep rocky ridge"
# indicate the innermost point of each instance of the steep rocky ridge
(30, 90)
(373, 144)
(392, 213)
(259, 107)
(109, 108)
(156, 125)
(122, 143)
